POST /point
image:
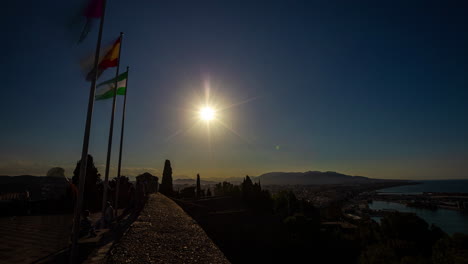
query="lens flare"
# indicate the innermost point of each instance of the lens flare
(207, 113)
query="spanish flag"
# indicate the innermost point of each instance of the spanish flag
(109, 60)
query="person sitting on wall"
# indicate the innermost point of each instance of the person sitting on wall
(86, 226)
(108, 215)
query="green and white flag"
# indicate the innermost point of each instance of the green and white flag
(105, 89)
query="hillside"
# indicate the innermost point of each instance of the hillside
(311, 177)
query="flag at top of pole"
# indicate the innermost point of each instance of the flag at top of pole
(105, 90)
(109, 60)
(93, 10)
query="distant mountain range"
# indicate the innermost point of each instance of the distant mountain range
(281, 178)
(311, 177)
(211, 180)
(292, 178)
(192, 182)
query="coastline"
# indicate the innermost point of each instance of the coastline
(431, 200)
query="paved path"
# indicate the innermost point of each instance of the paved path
(164, 233)
(24, 239)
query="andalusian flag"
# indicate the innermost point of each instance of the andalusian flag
(111, 59)
(105, 90)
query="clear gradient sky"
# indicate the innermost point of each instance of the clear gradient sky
(372, 88)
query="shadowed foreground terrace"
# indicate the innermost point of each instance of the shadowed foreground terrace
(164, 233)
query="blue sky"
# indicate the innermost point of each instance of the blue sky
(368, 88)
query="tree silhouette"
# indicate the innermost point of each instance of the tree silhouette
(56, 172)
(285, 203)
(452, 249)
(150, 182)
(93, 179)
(198, 187)
(166, 182)
(227, 188)
(408, 230)
(188, 192)
(248, 189)
(124, 190)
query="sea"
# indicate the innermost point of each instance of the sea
(450, 221)
(449, 186)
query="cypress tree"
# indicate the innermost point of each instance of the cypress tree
(198, 187)
(247, 188)
(166, 182)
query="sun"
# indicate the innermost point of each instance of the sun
(207, 113)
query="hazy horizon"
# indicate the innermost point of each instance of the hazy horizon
(132, 173)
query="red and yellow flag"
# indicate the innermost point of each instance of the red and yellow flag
(112, 56)
(109, 60)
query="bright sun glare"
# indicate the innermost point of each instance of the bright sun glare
(207, 113)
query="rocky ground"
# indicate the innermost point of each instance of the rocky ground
(164, 233)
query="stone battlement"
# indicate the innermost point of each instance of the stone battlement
(164, 233)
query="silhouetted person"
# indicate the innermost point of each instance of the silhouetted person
(131, 202)
(86, 226)
(140, 196)
(108, 215)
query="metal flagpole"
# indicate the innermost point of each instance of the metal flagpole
(121, 145)
(84, 152)
(111, 132)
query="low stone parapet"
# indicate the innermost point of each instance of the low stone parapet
(164, 233)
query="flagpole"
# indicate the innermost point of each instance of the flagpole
(84, 152)
(121, 145)
(111, 131)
